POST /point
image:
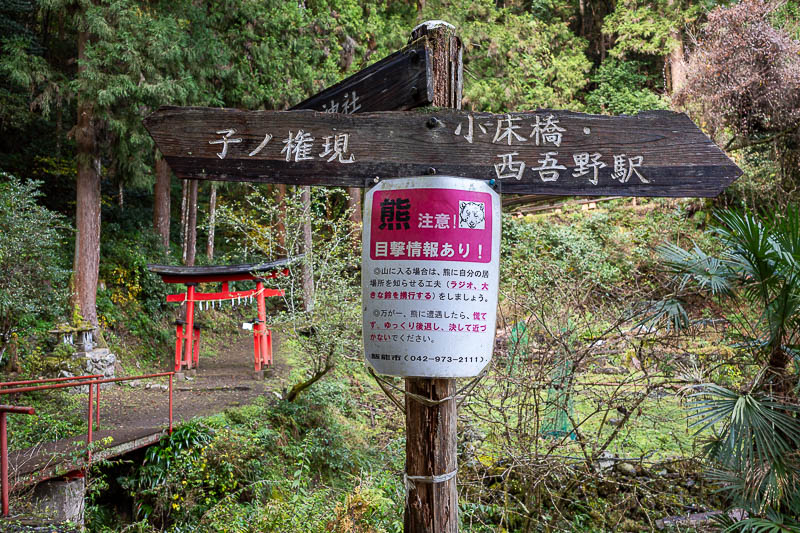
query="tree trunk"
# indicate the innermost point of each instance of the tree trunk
(676, 63)
(308, 264)
(212, 221)
(13, 359)
(59, 123)
(296, 389)
(431, 451)
(191, 224)
(354, 205)
(184, 218)
(161, 200)
(782, 382)
(280, 199)
(86, 263)
(121, 198)
(602, 47)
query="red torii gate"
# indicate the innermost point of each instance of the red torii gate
(187, 333)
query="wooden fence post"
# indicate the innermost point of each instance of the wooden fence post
(431, 491)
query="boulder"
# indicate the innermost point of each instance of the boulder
(626, 469)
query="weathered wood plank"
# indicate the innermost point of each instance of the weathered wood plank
(657, 153)
(398, 82)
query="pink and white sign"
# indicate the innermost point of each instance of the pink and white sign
(430, 276)
(432, 224)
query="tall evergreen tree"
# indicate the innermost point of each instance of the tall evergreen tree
(131, 57)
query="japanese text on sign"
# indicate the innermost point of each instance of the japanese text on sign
(430, 276)
(551, 163)
(545, 131)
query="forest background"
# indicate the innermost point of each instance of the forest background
(79, 77)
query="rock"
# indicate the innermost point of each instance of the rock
(157, 386)
(659, 393)
(605, 461)
(697, 519)
(610, 370)
(134, 383)
(98, 361)
(626, 469)
(61, 500)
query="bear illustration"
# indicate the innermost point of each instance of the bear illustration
(471, 215)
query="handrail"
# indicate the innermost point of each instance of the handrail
(4, 409)
(91, 381)
(48, 380)
(87, 382)
(60, 385)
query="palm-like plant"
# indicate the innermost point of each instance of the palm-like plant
(760, 263)
(755, 442)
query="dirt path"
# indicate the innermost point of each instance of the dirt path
(135, 414)
(223, 381)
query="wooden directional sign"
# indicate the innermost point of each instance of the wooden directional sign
(657, 153)
(398, 82)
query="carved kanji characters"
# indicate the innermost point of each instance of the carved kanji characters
(585, 163)
(547, 131)
(508, 168)
(625, 167)
(548, 167)
(298, 146)
(225, 141)
(337, 148)
(506, 129)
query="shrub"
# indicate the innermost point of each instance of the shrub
(32, 283)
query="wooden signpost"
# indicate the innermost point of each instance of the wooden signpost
(550, 152)
(658, 153)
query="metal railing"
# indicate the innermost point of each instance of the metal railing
(93, 381)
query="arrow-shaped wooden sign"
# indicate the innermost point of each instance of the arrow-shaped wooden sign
(398, 82)
(657, 153)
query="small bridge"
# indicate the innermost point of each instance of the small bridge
(140, 412)
(135, 412)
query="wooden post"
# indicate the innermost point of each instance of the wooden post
(431, 492)
(161, 199)
(189, 326)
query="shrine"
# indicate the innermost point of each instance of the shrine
(187, 331)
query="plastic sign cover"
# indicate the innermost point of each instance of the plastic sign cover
(430, 272)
